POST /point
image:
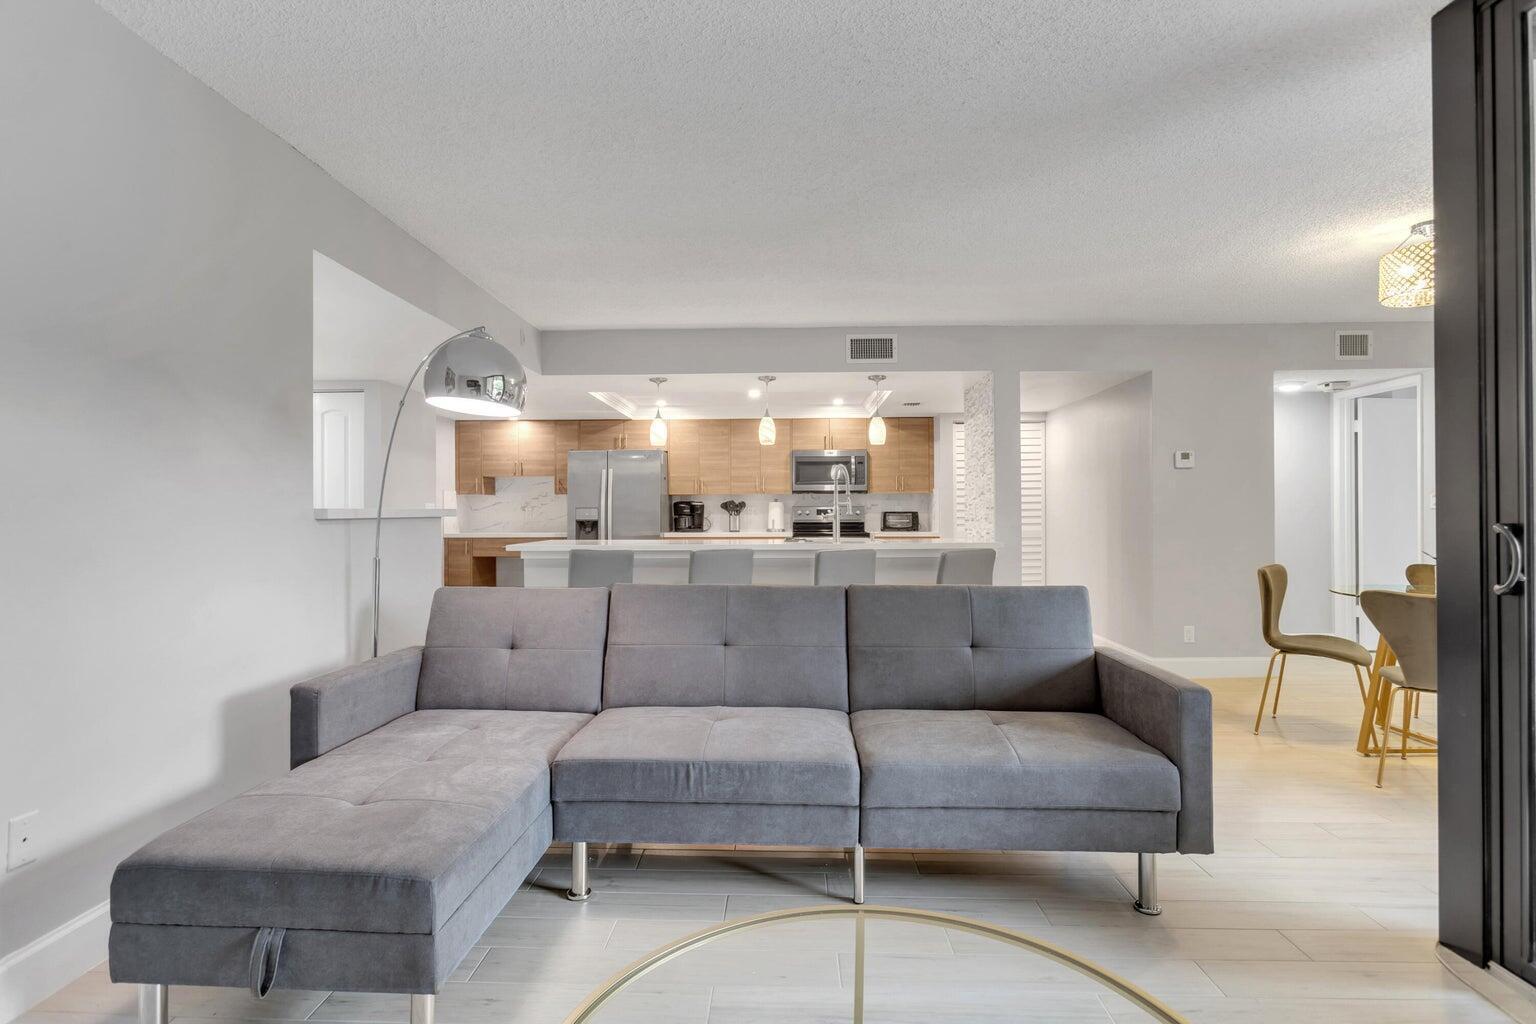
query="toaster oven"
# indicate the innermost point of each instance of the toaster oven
(898, 521)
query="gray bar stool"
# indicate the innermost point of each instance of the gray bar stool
(723, 565)
(840, 568)
(600, 568)
(968, 565)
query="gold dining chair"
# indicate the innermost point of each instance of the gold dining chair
(1421, 577)
(1408, 623)
(1272, 583)
(1421, 580)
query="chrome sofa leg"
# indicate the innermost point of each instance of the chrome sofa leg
(154, 1004)
(423, 1009)
(858, 874)
(1146, 885)
(579, 889)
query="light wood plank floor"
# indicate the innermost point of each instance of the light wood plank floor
(1319, 906)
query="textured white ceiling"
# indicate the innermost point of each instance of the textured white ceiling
(692, 162)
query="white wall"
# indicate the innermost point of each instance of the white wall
(1098, 508)
(1304, 508)
(165, 579)
(413, 466)
(1212, 392)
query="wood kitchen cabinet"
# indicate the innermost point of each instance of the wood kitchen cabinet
(683, 457)
(905, 462)
(600, 435)
(566, 438)
(848, 433)
(714, 456)
(914, 438)
(699, 457)
(746, 459)
(807, 435)
(498, 447)
(637, 435)
(466, 457)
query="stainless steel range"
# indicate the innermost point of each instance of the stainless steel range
(815, 521)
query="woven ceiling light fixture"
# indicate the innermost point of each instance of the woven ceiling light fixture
(1406, 275)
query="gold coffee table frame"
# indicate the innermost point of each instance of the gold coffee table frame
(861, 914)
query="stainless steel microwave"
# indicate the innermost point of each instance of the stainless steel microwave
(810, 472)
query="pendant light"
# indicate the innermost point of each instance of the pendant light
(767, 431)
(1406, 276)
(876, 421)
(659, 431)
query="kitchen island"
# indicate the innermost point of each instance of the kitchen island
(546, 563)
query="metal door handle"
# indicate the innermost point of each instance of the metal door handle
(1516, 574)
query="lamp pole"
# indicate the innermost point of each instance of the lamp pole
(378, 518)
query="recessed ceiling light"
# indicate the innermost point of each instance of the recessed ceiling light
(755, 393)
(837, 401)
(1288, 386)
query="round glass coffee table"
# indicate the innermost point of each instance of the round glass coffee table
(869, 964)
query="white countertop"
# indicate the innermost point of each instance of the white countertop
(715, 535)
(472, 534)
(330, 514)
(560, 548)
(905, 535)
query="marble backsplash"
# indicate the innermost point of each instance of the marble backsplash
(754, 518)
(530, 504)
(520, 504)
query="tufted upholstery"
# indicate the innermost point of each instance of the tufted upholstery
(963, 648)
(711, 755)
(513, 649)
(1015, 759)
(388, 833)
(702, 646)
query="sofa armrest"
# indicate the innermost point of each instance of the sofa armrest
(329, 710)
(1172, 714)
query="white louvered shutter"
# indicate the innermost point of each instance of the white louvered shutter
(957, 454)
(1032, 502)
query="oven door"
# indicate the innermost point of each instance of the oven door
(811, 471)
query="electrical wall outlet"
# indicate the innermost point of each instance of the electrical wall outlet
(1189, 634)
(21, 841)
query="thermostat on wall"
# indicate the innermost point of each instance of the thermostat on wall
(1183, 459)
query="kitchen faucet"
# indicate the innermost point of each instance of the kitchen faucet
(840, 472)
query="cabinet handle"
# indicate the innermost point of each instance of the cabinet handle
(1516, 574)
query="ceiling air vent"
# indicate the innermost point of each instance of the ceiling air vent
(1352, 345)
(871, 348)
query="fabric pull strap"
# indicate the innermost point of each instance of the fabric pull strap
(266, 949)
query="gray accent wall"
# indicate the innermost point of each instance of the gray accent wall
(1098, 508)
(1304, 508)
(165, 579)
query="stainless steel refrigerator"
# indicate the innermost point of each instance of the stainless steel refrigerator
(616, 495)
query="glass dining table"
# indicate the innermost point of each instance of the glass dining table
(1374, 715)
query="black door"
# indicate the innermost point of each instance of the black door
(1483, 199)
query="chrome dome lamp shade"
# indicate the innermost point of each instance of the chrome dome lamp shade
(471, 374)
(475, 375)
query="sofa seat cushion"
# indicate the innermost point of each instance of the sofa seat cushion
(1009, 759)
(717, 755)
(389, 833)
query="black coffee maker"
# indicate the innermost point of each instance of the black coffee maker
(687, 516)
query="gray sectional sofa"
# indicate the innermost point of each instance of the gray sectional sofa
(426, 784)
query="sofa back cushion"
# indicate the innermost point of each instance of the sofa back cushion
(966, 648)
(513, 649)
(741, 646)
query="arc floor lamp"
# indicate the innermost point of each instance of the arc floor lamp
(471, 373)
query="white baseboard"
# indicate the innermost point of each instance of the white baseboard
(48, 963)
(1234, 667)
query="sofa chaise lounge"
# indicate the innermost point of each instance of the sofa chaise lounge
(427, 783)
